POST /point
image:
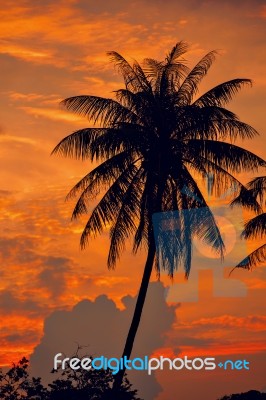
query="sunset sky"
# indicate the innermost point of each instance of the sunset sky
(52, 50)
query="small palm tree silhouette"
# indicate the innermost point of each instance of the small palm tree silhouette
(253, 198)
(151, 142)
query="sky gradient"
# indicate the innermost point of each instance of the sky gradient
(53, 50)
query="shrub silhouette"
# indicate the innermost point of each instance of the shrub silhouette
(16, 384)
(250, 395)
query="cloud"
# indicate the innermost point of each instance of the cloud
(110, 281)
(250, 322)
(54, 275)
(33, 284)
(27, 337)
(13, 304)
(26, 53)
(18, 248)
(17, 140)
(33, 97)
(47, 272)
(54, 114)
(4, 193)
(102, 327)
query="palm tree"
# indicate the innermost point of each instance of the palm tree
(253, 198)
(150, 142)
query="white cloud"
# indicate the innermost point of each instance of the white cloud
(102, 327)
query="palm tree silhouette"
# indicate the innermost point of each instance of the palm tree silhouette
(253, 198)
(149, 143)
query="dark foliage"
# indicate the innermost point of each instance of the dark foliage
(250, 395)
(16, 384)
(253, 197)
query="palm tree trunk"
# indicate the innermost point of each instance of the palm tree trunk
(137, 312)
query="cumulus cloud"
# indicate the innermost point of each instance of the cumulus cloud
(102, 327)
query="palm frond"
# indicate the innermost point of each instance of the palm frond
(205, 225)
(134, 80)
(127, 137)
(224, 184)
(222, 94)
(139, 103)
(108, 207)
(100, 110)
(177, 51)
(144, 214)
(176, 228)
(78, 144)
(167, 76)
(256, 227)
(226, 155)
(102, 143)
(189, 87)
(170, 78)
(125, 221)
(152, 69)
(100, 178)
(140, 72)
(247, 199)
(255, 258)
(258, 187)
(210, 122)
(102, 175)
(258, 184)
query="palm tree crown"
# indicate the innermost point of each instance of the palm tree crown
(150, 141)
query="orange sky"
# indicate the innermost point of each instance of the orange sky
(52, 50)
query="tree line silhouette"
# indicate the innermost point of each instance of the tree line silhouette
(17, 384)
